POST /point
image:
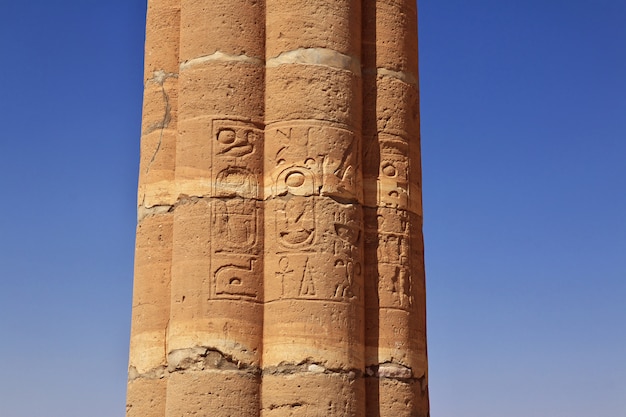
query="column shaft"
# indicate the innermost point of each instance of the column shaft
(313, 320)
(153, 253)
(395, 352)
(215, 329)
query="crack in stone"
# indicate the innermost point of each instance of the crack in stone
(293, 405)
(143, 211)
(160, 77)
(155, 373)
(204, 358)
(308, 366)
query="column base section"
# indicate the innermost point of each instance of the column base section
(310, 394)
(213, 393)
(388, 397)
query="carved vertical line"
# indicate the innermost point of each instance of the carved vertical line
(153, 251)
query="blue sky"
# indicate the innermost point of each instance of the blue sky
(524, 146)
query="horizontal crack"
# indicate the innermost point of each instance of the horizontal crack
(155, 373)
(310, 367)
(205, 358)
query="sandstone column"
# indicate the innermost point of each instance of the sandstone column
(279, 258)
(151, 293)
(395, 291)
(313, 324)
(216, 321)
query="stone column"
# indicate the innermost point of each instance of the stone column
(216, 320)
(279, 259)
(151, 292)
(313, 320)
(395, 333)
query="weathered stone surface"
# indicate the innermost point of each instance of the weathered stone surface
(312, 394)
(395, 397)
(327, 24)
(146, 397)
(279, 258)
(212, 393)
(390, 37)
(319, 92)
(151, 293)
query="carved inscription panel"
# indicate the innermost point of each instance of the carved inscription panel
(389, 246)
(236, 216)
(393, 176)
(307, 158)
(316, 244)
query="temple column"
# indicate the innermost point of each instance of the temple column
(153, 253)
(313, 319)
(216, 320)
(395, 353)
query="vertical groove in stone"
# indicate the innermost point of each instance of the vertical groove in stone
(153, 252)
(395, 335)
(217, 265)
(313, 319)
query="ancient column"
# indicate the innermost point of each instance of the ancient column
(279, 257)
(395, 335)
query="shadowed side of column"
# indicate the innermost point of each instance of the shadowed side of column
(395, 335)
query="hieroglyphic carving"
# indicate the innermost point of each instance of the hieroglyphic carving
(235, 224)
(392, 241)
(317, 238)
(295, 223)
(320, 246)
(237, 277)
(236, 219)
(307, 284)
(313, 158)
(393, 181)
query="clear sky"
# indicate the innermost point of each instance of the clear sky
(524, 158)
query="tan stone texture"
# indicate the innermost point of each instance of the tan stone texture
(146, 397)
(332, 24)
(213, 394)
(312, 391)
(395, 334)
(279, 257)
(234, 27)
(395, 397)
(317, 92)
